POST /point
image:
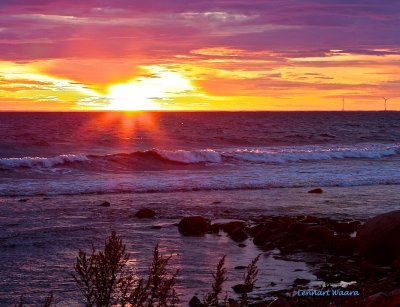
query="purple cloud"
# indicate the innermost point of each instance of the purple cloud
(32, 30)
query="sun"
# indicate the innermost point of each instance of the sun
(148, 92)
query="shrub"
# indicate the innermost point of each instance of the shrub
(250, 278)
(105, 280)
(211, 299)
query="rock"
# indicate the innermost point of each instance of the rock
(145, 213)
(215, 228)
(156, 227)
(344, 246)
(394, 298)
(240, 267)
(316, 191)
(345, 227)
(261, 238)
(301, 281)
(318, 234)
(231, 226)
(279, 302)
(105, 204)
(255, 229)
(242, 245)
(195, 302)
(297, 228)
(238, 235)
(23, 200)
(376, 300)
(378, 240)
(241, 288)
(193, 226)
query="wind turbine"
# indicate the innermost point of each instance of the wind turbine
(386, 99)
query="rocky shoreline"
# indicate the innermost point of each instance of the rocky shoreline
(361, 258)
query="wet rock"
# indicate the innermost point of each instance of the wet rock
(318, 234)
(241, 288)
(231, 226)
(301, 281)
(242, 245)
(261, 238)
(240, 267)
(193, 226)
(394, 298)
(371, 270)
(376, 300)
(316, 191)
(145, 213)
(105, 204)
(279, 302)
(238, 235)
(345, 227)
(215, 228)
(297, 228)
(156, 227)
(255, 229)
(23, 200)
(378, 240)
(344, 246)
(195, 302)
(310, 219)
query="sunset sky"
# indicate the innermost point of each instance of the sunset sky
(199, 55)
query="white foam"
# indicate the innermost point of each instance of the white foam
(312, 153)
(196, 156)
(39, 162)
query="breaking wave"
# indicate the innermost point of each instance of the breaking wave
(205, 156)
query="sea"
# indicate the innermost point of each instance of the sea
(57, 168)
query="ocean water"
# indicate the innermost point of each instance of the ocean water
(89, 153)
(56, 168)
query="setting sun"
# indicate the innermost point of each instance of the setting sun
(144, 93)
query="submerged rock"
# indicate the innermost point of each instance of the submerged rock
(378, 240)
(316, 191)
(105, 204)
(193, 226)
(145, 213)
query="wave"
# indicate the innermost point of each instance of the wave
(40, 162)
(157, 157)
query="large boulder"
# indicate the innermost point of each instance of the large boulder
(379, 238)
(193, 226)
